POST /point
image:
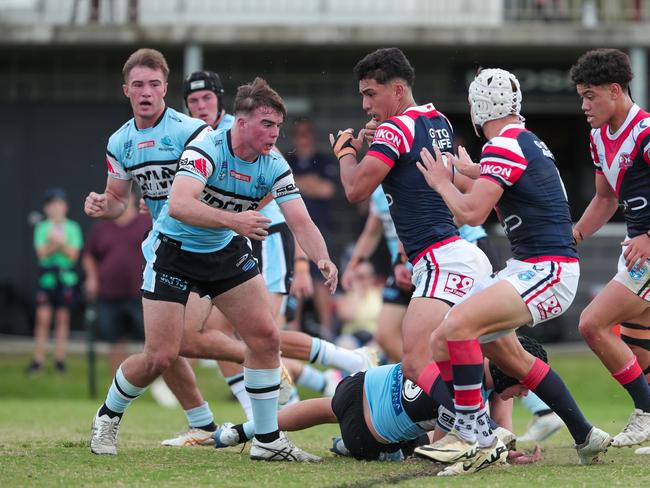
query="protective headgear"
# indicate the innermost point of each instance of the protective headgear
(502, 380)
(203, 80)
(494, 93)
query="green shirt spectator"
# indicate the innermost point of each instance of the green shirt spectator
(59, 265)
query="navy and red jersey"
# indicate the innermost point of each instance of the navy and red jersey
(624, 159)
(420, 214)
(533, 209)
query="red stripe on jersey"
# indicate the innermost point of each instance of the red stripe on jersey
(382, 157)
(503, 170)
(557, 259)
(644, 133)
(612, 146)
(505, 153)
(414, 114)
(547, 286)
(619, 179)
(513, 133)
(388, 135)
(593, 150)
(405, 130)
(435, 245)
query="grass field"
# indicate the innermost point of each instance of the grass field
(45, 424)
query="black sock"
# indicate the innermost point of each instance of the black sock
(440, 393)
(541, 413)
(211, 427)
(240, 431)
(637, 388)
(107, 411)
(268, 437)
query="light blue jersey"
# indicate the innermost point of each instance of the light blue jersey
(379, 206)
(472, 233)
(150, 156)
(231, 184)
(225, 123)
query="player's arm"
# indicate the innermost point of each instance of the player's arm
(601, 208)
(310, 239)
(470, 208)
(302, 284)
(185, 205)
(359, 179)
(363, 248)
(501, 411)
(110, 204)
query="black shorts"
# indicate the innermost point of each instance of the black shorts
(275, 258)
(59, 297)
(347, 405)
(175, 272)
(394, 294)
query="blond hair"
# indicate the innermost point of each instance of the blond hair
(146, 57)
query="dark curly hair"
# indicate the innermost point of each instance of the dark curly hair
(385, 65)
(502, 380)
(602, 66)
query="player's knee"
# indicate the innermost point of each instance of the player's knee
(438, 343)
(410, 367)
(589, 327)
(159, 361)
(265, 340)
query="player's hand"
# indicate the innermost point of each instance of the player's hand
(345, 143)
(369, 131)
(434, 167)
(637, 251)
(403, 277)
(251, 224)
(517, 457)
(348, 278)
(330, 273)
(464, 164)
(302, 285)
(96, 205)
(143, 208)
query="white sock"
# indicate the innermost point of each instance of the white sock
(236, 384)
(326, 353)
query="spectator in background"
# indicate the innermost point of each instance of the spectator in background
(57, 241)
(315, 174)
(113, 264)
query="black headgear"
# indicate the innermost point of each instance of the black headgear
(203, 80)
(503, 381)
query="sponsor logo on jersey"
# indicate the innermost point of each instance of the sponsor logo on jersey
(233, 204)
(248, 265)
(172, 281)
(167, 143)
(397, 378)
(128, 149)
(411, 391)
(624, 161)
(549, 307)
(241, 260)
(146, 144)
(111, 170)
(636, 273)
(384, 135)
(526, 275)
(240, 176)
(286, 190)
(200, 166)
(458, 284)
(155, 181)
(261, 184)
(494, 169)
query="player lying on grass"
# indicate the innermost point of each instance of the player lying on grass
(384, 416)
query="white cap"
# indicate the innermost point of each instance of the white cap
(494, 94)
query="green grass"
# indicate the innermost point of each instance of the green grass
(45, 422)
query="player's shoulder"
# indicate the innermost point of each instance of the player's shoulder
(509, 139)
(277, 161)
(642, 124)
(121, 135)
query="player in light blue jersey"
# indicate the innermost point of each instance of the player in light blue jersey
(222, 178)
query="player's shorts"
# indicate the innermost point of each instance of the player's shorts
(448, 270)
(636, 335)
(58, 297)
(394, 294)
(120, 318)
(547, 286)
(275, 258)
(347, 405)
(171, 272)
(637, 280)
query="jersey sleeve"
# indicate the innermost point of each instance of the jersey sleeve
(643, 139)
(598, 166)
(113, 164)
(390, 142)
(194, 132)
(195, 162)
(502, 161)
(284, 187)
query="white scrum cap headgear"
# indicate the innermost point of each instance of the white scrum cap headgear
(494, 93)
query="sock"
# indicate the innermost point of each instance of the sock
(534, 404)
(236, 384)
(246, 431)
(633, 380)
(467, 367)
(484, 433)
(263, 387)
(311, 378)
(431, 383)
(327, 354)
(201, 417)
(446, 375)
(121, 394)
(548, 385)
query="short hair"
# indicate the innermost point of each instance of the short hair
(602, 66)
(384, 65)
(146, 57)
(258, 94)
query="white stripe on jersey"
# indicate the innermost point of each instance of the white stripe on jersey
(115, 168)
(509, 162)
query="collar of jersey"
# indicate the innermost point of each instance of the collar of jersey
(232, 153)
(154, 125)
(630, 115)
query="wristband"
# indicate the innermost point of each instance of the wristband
(342, 145)
(301, 266)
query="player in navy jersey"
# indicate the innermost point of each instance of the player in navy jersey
(445, 267)
(620, 150)
(518, 176)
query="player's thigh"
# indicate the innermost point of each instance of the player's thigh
(163, 325)
(614, 304)
(422, 317)
(390, 319)
(197, 310)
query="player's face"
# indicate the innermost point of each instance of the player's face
(146, 89)
(517, 390)
(261, 129)
(598, 103)
(378, 100)
(204, 105)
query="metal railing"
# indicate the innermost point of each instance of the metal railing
(323, 13)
